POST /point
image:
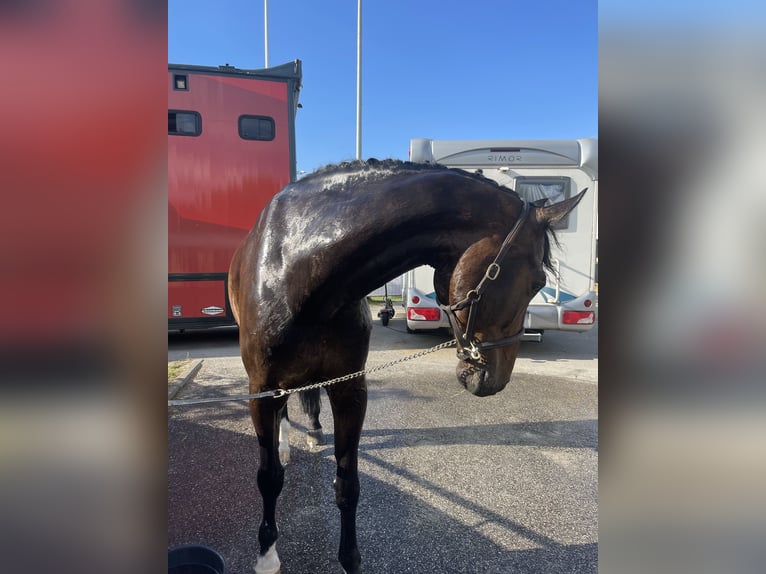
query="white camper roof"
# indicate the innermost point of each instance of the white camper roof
(475, 154)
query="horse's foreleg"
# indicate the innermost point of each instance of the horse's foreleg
(311, 402)
(349, 404)
(266, 419)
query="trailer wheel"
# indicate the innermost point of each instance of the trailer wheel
(384, 317)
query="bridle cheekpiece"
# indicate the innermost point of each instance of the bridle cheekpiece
(470, 348)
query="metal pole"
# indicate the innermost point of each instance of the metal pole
(359, 80)
(266, 32)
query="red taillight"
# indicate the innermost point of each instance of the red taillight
(578, 317)
(423, 314)
(415, 299)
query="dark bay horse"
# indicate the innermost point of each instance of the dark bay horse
(299, 281)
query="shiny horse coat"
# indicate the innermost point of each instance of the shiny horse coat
(297, 286)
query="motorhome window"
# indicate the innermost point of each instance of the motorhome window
(259, 128)
(182, 123)
(554, 189)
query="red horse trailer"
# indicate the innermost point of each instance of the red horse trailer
(231, 147)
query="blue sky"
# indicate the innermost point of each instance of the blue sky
(442, 69)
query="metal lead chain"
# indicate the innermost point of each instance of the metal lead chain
(350, 376)
(285, 392)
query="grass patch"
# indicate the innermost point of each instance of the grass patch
(379, 298)
(175, 368)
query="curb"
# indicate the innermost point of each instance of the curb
(181, 380)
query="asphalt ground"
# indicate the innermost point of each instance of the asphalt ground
(449, 482)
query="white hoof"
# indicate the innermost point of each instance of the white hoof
(315, 438)
(284, 441)
(268, 563)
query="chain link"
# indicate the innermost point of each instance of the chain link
(285, 392)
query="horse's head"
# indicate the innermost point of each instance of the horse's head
(490, 288)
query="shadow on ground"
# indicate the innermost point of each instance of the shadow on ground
(213, 500)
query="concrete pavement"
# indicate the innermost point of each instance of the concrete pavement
(449, 482)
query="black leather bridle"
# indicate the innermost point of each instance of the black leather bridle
(468, 346)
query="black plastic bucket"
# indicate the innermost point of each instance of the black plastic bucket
(195, 559)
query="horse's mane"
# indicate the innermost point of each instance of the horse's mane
(396, 166)
(549, 237)
(369, 165)
(399, 166)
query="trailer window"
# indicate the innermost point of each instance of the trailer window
(180, 82)
(182, 123)
(259, 128)
(554, 189)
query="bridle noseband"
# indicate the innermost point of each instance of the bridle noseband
(469, 348)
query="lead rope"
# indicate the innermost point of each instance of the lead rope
(276, 393)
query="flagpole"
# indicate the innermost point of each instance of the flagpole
(359, 80)
(266, 32)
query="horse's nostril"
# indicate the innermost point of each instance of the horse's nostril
(483, 376)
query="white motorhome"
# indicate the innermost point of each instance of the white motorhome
(552, 169)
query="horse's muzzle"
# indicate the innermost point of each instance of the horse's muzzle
(476, 380)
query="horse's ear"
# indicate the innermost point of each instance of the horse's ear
(556, 212)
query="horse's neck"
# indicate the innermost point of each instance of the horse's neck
(390, 234)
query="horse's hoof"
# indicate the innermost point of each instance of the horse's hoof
(315, 438)
(268, 563)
